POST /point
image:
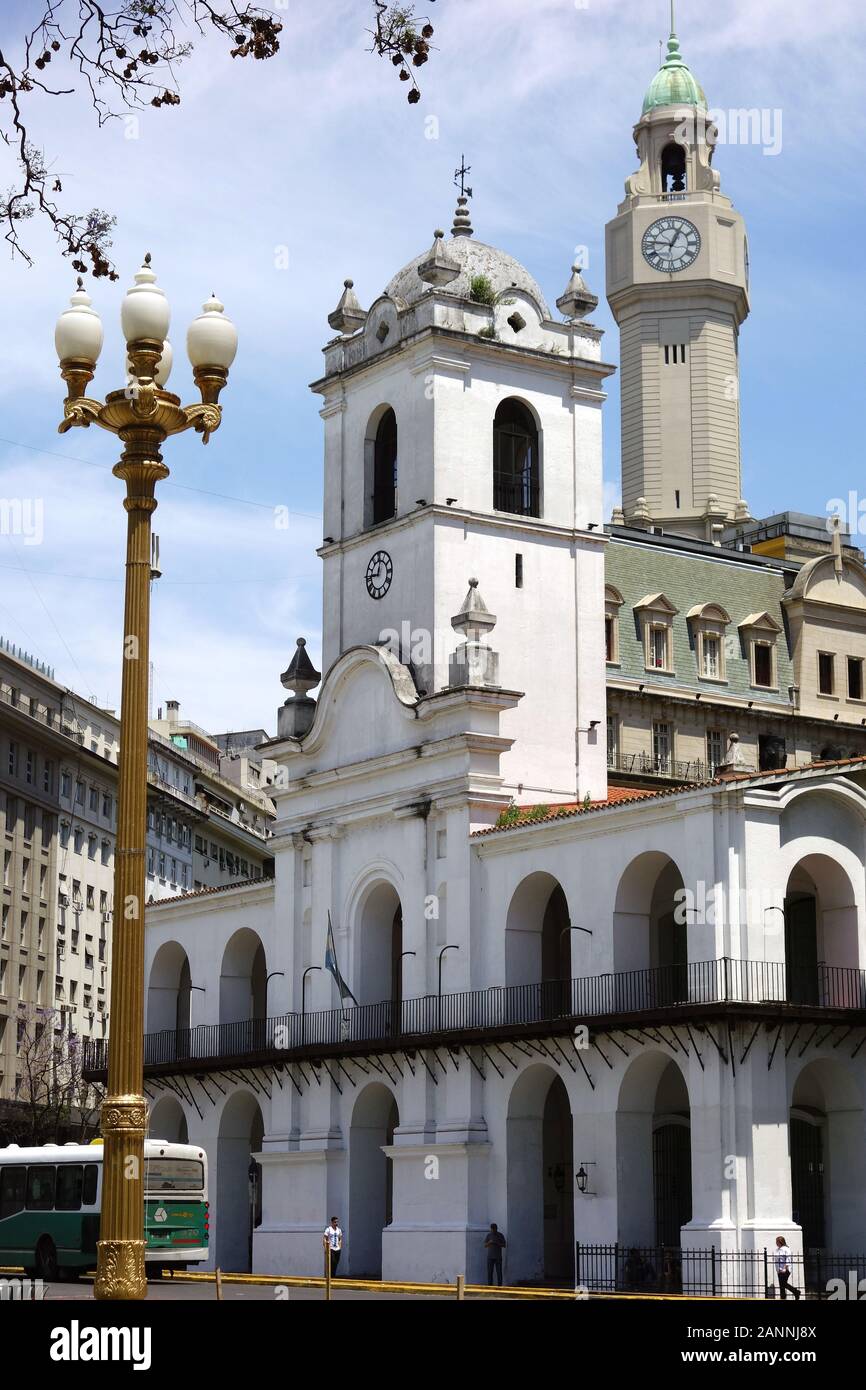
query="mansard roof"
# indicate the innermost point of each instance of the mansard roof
(691, 580)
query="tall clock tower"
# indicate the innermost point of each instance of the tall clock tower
(677, 284)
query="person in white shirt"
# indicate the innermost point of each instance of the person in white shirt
(784, 1261)
(332, 1240)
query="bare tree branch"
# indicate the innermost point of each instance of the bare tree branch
(55, 1103)
(124, 54)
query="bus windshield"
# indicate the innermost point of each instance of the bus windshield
(173, 1175)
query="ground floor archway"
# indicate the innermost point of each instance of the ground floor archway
(238, 1187)
(540, 1180)
(375, 1117)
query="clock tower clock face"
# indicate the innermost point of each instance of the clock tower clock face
(380, 572)
(671, 244)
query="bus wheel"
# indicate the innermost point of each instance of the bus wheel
(46, 1260)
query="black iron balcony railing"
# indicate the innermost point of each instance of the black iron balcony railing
(660, 765)
(675, 988)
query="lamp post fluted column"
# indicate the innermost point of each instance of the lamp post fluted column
(120, 1251)
(142, 415)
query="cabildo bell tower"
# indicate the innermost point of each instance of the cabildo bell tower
(463, 443)
(678, 287)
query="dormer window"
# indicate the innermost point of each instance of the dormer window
(656, 614)
(613, 602)
(760, 634)
(709, 622)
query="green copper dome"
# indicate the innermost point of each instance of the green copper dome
(673, 84)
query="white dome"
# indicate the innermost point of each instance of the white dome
(476, 258)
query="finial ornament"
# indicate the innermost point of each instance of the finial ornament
(438, 268)
(462, 221)
(473, 663)
(576, 302)
(348, 315)
(837, 546)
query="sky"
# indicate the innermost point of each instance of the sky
(272, 182)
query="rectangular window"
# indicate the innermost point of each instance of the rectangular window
(106, 805)
(70, 1178)
(763, 661)
(712, 657)
(659, 648)
(94, 799)
(13, 1184)
(662, 747)
(612, 741)
(79, 793)
(855, 678)
(608, 638)
(47, 775)
(40, 1187)
(13, 758)
(518, 572)
(91, 1180)
(65, 785)
(715, 750)
(825, 673)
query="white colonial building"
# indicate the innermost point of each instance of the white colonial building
(596, 1016)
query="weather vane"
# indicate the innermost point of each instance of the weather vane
(460, 177)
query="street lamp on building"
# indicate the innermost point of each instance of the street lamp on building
(142, 414)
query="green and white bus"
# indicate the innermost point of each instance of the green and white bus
(51, 1196)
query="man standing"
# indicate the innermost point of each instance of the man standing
(333, 1240)
(494, 1245)
(784, 1270)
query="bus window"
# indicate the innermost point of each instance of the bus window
(40, 1187)
(69, 1178)
(173, 1175)
(12, 1184)
(91, 1176)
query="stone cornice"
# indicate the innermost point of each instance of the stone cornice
(495, 522)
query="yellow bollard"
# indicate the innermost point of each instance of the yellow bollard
(219, 1284)
(461, 1287)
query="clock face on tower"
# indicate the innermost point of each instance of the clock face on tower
(671, 244)
(380, 572)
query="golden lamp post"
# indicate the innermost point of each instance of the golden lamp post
(143, 414)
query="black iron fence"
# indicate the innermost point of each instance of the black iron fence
(500, 1007)
(715, 1273)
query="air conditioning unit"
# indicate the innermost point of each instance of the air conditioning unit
(64, 899)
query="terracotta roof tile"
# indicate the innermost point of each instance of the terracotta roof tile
(217, 888)
(617, 796)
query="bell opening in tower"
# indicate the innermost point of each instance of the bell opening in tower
(673, 169)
